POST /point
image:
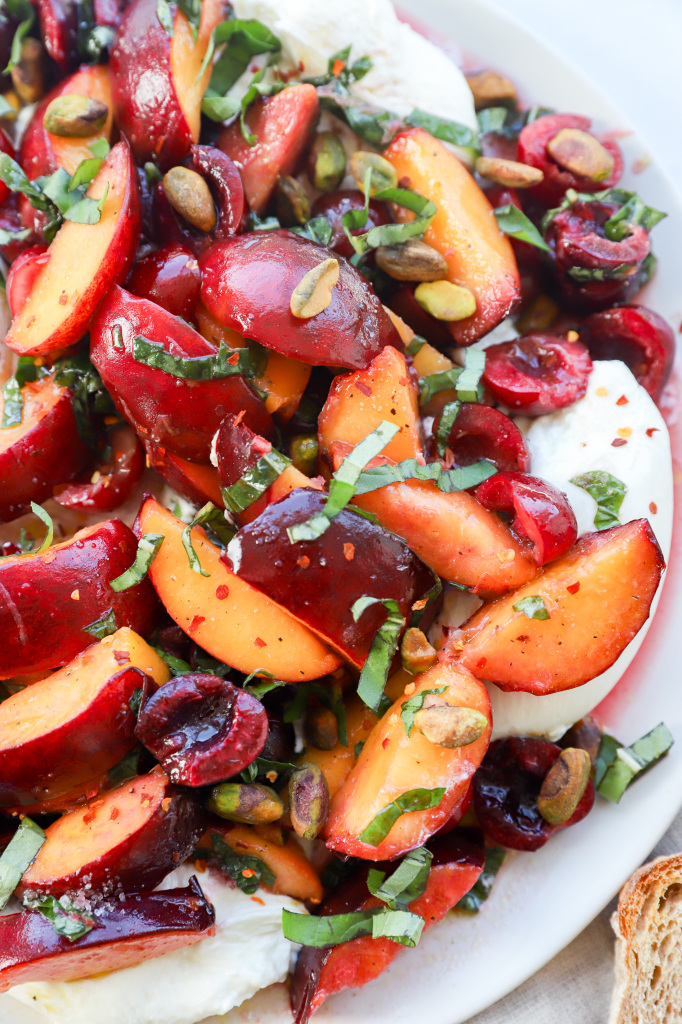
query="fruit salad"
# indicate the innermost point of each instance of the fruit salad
(334, 490)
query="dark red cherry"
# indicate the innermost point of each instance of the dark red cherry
(202, 729)
(532, 150)
(637, 336)
(112, 482)
(335, 204)
(540, 513)
(224, 180)
(538, 373)
(506, 789)
(481, 432)
(169, 277)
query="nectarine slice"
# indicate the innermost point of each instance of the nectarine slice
(336, 764)
(464, 229)
(598, 598)
(43, 450)
(138, 927)
(47, 600)
(226, 616)
(358, 402)
(193, 480)
(76, 724)
(127, 840)
(453, 533)
(392, 763)
(85, 260)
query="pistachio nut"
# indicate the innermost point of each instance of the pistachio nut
(446, 725)
(190, 196)
(321, 728)
(416, 652)
(384, 174)
(412, 260)
(76, 117)
(490, 89)
(445, 300)
(586, 735)
(28, 74)
(579, 152)
(248, 802)
(563, 785)
(308, 800)
(303, 452)
(509, 173)
(326, 164)
(313, 293)
(538, 315)
(291, 202)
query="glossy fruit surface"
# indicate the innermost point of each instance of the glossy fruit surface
(637, 336)
(482, 432)
(226, 185)
(506, 789)
(540, 512)
(107, 487)
(538, 373)
(202, 729)
(169, 277)
(334, 205)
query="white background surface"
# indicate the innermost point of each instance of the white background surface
(631, 50)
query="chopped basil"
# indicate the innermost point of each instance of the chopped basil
(491, 119)
(374, 126)
(342, 484)
(241, 39)
(233, 865)
(93, 41)
(177, 666)
(105, 626)
(416, 345)
(209, 514)
(86, 171)
(445, 425)
(256, 223)
(399, 926)
(205, 663)
(147, 549)
(220, 108)
(90, 398)
(583, 275)
(257, 88)
(45, 518)
(329, 697)
(334, 929)
(608, 747)
(99, 148)
(339, 68)
(192, 11)
(532, 607)
(261, 767)
(388, 234)
(318, 228)
(446, 480)
(357, 749)
(126, 768)
(447, 131)
(410, 707)
(434, 383)
(630, 762)
(608, 492)
(65, 919)
(25, 14)
(255, 482)
(135, 701)
(514, 222)
(413, 800)
(52, 195)
(471, 902)
(375, 671)
(469, 387)
(27, 371)
(225, 363)
(262, 686)
(632, 211)
(164, 13)
(18, 856)
(406, 884)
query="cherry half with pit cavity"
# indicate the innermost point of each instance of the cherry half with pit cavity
(538, 373)
(202, 729)
(481, 432)
(540, 512)
(637, 336)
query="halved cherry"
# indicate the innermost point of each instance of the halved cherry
(335, 204)
(202, 729)
(169, 277)
(532, 150)
(112, 481)
(541, 513)
(637, 336)
(538, 373)
(225, 182)
(506, 790)
(481, 432)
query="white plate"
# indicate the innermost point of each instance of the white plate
(541, 901)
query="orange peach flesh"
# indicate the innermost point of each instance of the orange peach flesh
(294, 874)
(186, 57)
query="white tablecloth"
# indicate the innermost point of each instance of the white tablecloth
(631, 51)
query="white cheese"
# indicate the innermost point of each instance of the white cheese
(407, 70)
(247, 953)
(564, 445)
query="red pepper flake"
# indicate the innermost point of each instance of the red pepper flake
(159, 144)
(233, 359)
(260, 643)
(573, 588)
(622, 400)
(363, 388)
(89, 817)
(248, 873)
(337, 67)
(176, 857)
(63, 299)
(239, 417)
(222, 591)
(420, 605)
(271, 776)
(114, 814)
(618, 443)
(31, 322)
(122, 657)
(404, 381)
(386, 742)
(303, 561)
(481, 663)
(195, 623)
(653, 507)
(257, 899)
(349, 552)
(166, 804)
(651, 431)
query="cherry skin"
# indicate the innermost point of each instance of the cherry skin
(541, 513)
(22, 275)
(112, 483)
(637, 336)
(538, 373)
(481, 432)
(506, 789)
(224, 180)
(335, 204)
(169, 277)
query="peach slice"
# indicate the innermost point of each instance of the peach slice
(84, 261)
(193, 480)
(41, 152)
(453, 533)
(464, 229)
(337, 763)
(75, 724)
(598, 598)
(223, 614)
(358, 402)
(391, 763)
(41, 451)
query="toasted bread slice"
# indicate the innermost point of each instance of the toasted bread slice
(648, 926)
